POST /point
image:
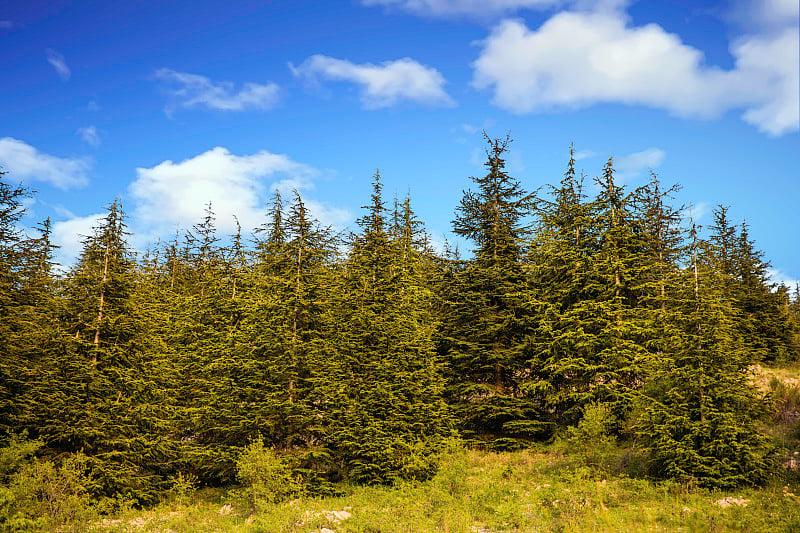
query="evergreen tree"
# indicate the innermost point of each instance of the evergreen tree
(699, 412)
(11, 210)
(592, 270)
(764, 322)
(107, 402)
(487, 322)
(379, 382)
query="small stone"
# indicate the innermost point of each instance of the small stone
(226, 509)
(730, 500)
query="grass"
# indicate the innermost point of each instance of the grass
(481, 492)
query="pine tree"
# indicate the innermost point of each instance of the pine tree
(592, 265)
(106, 402)
(764, 322)
(379, 381)
(699, 411)
(487, 323)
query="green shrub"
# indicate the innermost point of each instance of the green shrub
(15, 454)
(183, 486)
(266, 476)
(591, 438)
(44, 494)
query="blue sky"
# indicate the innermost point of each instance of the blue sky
(169, 105)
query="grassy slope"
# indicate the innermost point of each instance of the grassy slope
(479, 492)
(482, 492)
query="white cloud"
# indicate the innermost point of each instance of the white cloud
(69, 235)
(59, 63)
(173, 195)
(631, 166)
(696, 212)
(778, 276)
(89, 135)
(763, 16)
(24, 161)
(578, 59)
(489, 8)
(768, 66)
(584, 154)
(199, 91)
(382, 85)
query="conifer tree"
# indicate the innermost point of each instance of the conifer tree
(380, 381)
(107, 403)
(764, 322)
(11, 210)
(591, 267)
(487, 323)
(287, 321)
(699, 411)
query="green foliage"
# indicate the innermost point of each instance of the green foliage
(487, 316)
(586, 316)
(16, 453)
(699, 412)
(43, 494)
(183, 486)
(592, 437)
(266, 476)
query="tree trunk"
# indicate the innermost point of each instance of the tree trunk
(102, 304)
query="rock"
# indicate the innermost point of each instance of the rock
(336, 516)
(326, 530)
(730, 500)
(226, 509)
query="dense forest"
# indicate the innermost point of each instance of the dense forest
(358, 356)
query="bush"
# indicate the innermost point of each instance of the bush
(786, 401)
(15, 455)
(266, 476)
(183, 486)
(591, 437)
(43, 494)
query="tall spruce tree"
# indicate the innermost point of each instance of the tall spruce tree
(107, 403)
(591, 263)
(487, 323)
(699, 411)
(11, 260)
(380, 379)
(764, 322)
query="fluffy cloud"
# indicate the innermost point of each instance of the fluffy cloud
(59, 63)
(631, 166)
(580, 155)
(194, 90)
(577, 59)
(768, 66)
(696, 212)
(89, 135)
(171, 194)
(382, 85)
(778, 276)
(24, 161)
(484, 8)
(69, 234)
